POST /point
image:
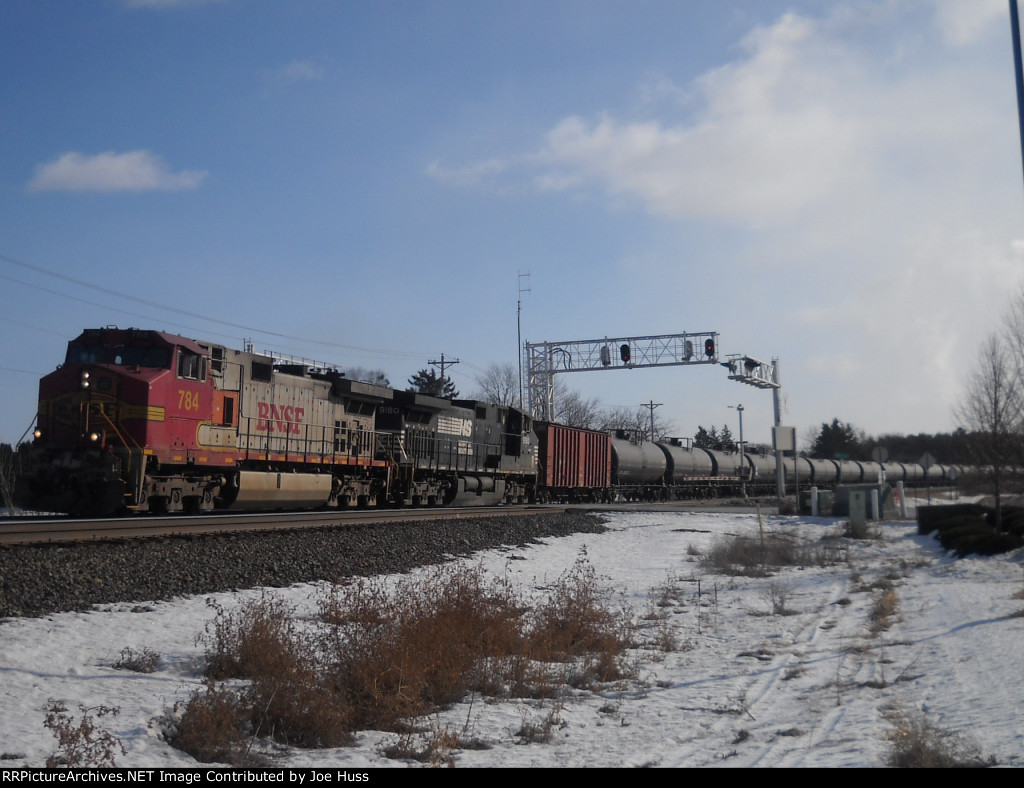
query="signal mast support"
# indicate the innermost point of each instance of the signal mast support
(762, 375)
(546, 359)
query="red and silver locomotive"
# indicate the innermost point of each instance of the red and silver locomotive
(146, 420)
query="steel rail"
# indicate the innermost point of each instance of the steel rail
(31, 531)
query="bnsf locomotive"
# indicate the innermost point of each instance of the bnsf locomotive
(146, 420)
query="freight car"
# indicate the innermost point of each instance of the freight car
(145, 420)
(574, 465)
(673, 470)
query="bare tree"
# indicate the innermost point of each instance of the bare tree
(499, 384)
(990, 412)
(575, 410)
(377, 376)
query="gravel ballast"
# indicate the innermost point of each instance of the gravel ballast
(38, 580)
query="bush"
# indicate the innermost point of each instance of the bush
(210, 728)
(378, 656)
(930, 517)
(82, 745)
(144, 661)
(577, 620)
(404, 653)
(916, 743)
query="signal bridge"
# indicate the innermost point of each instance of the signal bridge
(546, 359)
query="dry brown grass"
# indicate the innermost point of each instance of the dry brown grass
(884, 611)
(578, 620)
(917, 743)
(757, 556)
(379, 655)
(81, 744)
(402, 653)
(144, 661)
(210, 726)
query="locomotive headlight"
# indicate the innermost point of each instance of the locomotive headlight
(85, 380)
(37, 433)
(94, 436)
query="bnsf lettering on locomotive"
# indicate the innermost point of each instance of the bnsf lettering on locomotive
(278, 418)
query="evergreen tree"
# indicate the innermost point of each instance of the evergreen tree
(838, 440)
(427, 381)
(714, 440)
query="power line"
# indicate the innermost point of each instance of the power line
(185, 312)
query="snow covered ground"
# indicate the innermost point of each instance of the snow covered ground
(777, 671)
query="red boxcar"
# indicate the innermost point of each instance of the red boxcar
(573, 464)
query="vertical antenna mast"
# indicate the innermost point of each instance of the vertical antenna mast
(1018, 70)
(519, 331)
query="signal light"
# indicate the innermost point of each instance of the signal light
(709, 347)
(624, 354)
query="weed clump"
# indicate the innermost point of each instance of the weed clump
(81, 744)
(756, 556)
(210, 727)
(144, 661)
(376, 656)
(917, 743)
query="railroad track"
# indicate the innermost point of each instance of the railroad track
(17, 531)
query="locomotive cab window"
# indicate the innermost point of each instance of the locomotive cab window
(191, 366)
(151, 357)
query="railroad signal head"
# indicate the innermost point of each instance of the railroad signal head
(624, 354)
(709, 347)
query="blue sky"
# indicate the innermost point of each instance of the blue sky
(836, 183)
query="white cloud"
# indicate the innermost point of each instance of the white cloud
(297, 71)
(964, 21)
(135, 171)
(471, 175)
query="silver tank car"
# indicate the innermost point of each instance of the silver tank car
(637, 463)
(824, 472)
(686, 462)
(760, 468)
(727, 463)
(804, 470)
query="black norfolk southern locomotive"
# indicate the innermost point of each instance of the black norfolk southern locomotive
(139, 420)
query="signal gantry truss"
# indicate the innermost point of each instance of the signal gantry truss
(546, 359)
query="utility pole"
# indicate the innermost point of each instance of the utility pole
(442, 364)
(651, 406)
